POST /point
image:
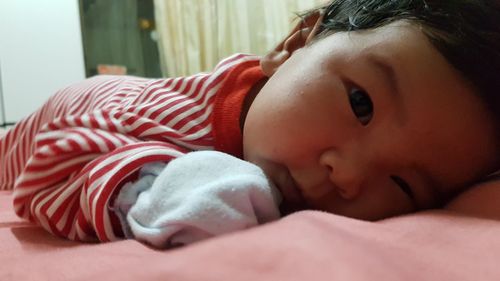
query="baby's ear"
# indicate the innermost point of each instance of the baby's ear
(303, 32)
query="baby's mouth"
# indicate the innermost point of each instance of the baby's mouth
(293, 200)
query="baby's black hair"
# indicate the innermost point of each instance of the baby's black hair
(465, 32)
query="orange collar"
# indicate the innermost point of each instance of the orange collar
(228, 106)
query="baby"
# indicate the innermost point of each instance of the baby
(367, 109)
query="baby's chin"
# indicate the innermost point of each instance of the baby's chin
(287, 208)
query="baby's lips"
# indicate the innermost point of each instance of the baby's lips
(292, 197)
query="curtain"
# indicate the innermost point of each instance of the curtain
(196, 34)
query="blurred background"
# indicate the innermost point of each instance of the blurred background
(48, 44)
(181, 37)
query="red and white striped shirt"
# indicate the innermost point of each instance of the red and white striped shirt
(67, 161)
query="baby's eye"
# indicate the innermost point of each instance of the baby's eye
(405, 187)
(361, 105)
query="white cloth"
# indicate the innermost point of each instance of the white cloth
(196, 196)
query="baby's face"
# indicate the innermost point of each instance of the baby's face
(369, 125)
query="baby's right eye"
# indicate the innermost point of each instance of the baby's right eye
(361, 105)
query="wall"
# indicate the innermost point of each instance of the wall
(40, 52)
(2, 111)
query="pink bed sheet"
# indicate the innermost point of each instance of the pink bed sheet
(308, 245)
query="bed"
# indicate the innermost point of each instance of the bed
(308, 245)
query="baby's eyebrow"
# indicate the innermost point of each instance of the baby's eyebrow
(391, 79)
(387, 69)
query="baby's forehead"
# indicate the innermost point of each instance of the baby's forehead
(399, 42)
(397, 36)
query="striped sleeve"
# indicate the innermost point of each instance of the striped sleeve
(67, 187)
(67, 161)
(68, 182)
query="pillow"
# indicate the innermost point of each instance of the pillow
(481, 200)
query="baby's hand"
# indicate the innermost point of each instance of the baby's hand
(201, 195)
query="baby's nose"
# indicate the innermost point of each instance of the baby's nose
(346, 175)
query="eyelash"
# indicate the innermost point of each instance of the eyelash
(405, 187)
(361, 105)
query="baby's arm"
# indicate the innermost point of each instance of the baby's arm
(194, 197)
(481, 200)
